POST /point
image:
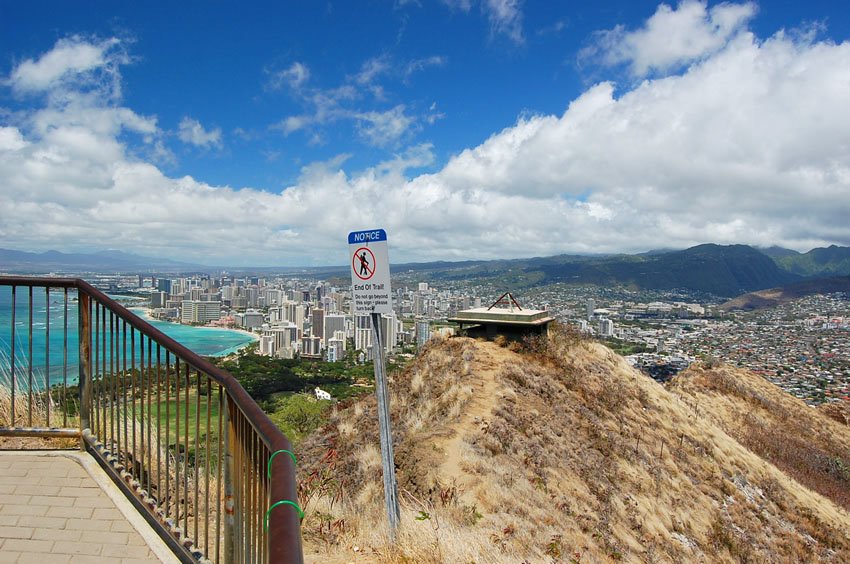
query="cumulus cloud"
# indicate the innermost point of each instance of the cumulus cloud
(69, 59)
(672, 37)
(749, 145)
(192, 132)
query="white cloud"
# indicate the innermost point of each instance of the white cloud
(193, 133)
(505, 18)
(673, 37)
(462, 5)
(292, 123)
(371, 69)
(295, 76)
(383, 129)
(70, 57)
(76, 65)
(11, 139)
(417, 65)
(348, 103)
(751, 145)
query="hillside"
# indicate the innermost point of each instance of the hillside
(776, 296)
(722, 270)
(820, 262)
(567, 453)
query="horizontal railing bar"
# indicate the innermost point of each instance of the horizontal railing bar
(38, 282)
(39, 432)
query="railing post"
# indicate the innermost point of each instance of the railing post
(229, 499)
(85, 381)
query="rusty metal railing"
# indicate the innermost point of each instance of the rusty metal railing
(193, 452)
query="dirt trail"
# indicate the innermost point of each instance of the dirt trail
(487, 360)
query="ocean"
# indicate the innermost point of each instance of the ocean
(204, 341)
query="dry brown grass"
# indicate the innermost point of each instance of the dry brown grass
(572, 455)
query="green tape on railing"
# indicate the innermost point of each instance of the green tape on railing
(275, 453)
(281, 502)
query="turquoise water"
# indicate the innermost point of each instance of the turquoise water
(201, 340)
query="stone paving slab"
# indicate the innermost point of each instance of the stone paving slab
(59, 506)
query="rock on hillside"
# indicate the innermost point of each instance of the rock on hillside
(564, 452)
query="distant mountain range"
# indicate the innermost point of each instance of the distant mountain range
(103, 261)
(721, 270)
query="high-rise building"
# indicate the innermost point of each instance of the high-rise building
(362, 332)
(267, 345)
(273, 296)
(196, 311)
(164, 285)
(606, 327)
(389, 331)
(423, 332)
(284, 339)
(591, 305)
(335, 350)
(311, 347)
(158, 299)
(333, 322)
(250, 319)
(318, 323)
(227, 293)
(252, 294)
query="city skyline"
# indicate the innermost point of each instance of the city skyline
(463, 128)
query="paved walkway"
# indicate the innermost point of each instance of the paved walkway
(59, 506)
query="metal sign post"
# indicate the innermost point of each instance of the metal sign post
(371, 294)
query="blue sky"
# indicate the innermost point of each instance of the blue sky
(264, 133)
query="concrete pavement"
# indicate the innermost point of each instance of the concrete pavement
(60, 507)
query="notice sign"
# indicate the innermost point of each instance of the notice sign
(370, 271)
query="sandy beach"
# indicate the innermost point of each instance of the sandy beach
(144, 313)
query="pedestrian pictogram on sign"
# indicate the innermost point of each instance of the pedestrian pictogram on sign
(363, 263)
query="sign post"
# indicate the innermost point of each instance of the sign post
(371, 294)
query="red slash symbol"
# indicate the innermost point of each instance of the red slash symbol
(363, 263)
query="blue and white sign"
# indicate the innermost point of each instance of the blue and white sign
(370, 272)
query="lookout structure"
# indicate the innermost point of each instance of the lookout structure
(512, 322)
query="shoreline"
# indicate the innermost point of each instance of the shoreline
(144, 314)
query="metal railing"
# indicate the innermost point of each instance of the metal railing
(180, 436)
